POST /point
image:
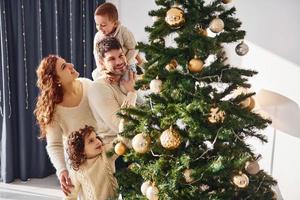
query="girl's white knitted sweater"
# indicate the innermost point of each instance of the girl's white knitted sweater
(95, 178)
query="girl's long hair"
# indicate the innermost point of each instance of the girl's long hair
(51, 92)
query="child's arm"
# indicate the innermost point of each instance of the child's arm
(97, 39)
(129, 43)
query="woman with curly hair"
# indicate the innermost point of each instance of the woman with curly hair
(92, 170)
(62, 107)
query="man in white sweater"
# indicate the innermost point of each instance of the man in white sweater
(105, 94)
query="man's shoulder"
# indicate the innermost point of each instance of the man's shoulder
(99, 82)
(100, 85)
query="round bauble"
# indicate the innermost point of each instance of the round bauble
(170, 139)
(216, 25)
(252, 167)
(175, 17)
(152, 193)
(141, 143)
(200, 30)
(120, 148)
(195, 65)
(248, 103)
(226, 1)
(241, 49)
(155, 85)
(145, 186)
(241, 180)
(172, 65)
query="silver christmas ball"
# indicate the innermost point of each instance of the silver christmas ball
(241, 49)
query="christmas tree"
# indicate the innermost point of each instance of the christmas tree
(189, 136)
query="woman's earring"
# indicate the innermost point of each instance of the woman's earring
(59, 84)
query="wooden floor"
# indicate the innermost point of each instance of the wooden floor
(42, 189)
(33, 189)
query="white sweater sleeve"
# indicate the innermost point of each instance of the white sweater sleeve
(104, 103)
(129, 43)
(55, 147)
(97, 39)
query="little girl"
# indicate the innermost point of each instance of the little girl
(92, 172)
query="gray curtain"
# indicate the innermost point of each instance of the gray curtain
(30, 30)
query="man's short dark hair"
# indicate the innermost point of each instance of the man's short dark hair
(106, 45)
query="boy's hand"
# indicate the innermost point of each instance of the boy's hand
(110, 77)
(130, 83)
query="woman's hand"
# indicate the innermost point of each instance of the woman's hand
(65, 182)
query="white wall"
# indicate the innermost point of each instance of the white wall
(272, 25)
(273, 38)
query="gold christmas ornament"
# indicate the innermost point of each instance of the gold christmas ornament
(145, 186)
(195, 65)
(216, 25)
(152, 193)
(248, 103)
(141, 143)
(252, 167)
(175, 17)
(242, 49)
(241, 180)
(216, 115)
(226, 1)
(200, 30)
(170, 139)
(120, 148)
(155, 85)
(172, 65)
(187, 175)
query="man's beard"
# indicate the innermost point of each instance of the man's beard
(119, 72)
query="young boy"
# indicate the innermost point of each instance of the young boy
(107, 24)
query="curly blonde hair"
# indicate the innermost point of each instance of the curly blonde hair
(75, 148)
(51, 92)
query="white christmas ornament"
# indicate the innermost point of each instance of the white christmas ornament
(141, 143)
(145, 186)
(216, 25)
(152, 193)
(155, 85)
